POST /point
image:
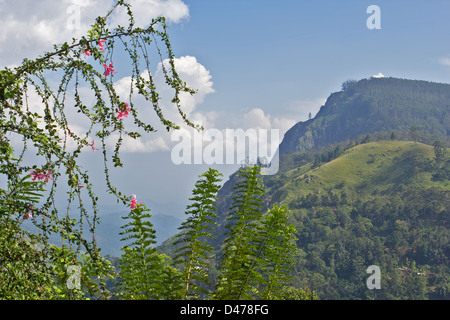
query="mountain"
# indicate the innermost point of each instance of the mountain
(364, 188)
(380, 106)
(380, 203)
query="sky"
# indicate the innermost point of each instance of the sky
(254, 63)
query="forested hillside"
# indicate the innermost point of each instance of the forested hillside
(383, 203)
(384, 106)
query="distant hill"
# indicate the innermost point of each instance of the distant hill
(107, 233)
(379, 106)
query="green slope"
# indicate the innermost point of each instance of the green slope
(367, 168)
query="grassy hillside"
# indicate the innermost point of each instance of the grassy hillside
(368, 168)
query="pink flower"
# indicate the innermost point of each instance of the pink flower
(41, 176)
(100, 44)
(34, 175)
(123, 113)
(87, 52)
(28, 215)
(108, 70)
(92, 146)
(46, 176)
(134, 203)
(120, 115)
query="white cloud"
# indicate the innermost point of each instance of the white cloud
(29, 28)
(379, 75)
(257, 119)
(196, 77)
(145, 10)
(445, 61)
(259, 135)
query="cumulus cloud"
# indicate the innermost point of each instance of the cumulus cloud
(379, 75)
(196, 77)
(29, 28)
(241, 137)
(445, 61)
(256, 118)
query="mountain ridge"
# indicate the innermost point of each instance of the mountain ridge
(371, 106)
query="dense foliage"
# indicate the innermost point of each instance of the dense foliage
(40, 153)
(255, 260)
(385, 203)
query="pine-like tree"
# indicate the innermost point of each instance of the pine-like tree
(278, 252)
(440, 152)
(192, 256)
(143, 271)
(238, 269)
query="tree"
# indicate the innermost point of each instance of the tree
(83, 62)
(414, 133)
(440, 152)
(366, 139)
(243, 224)
(258, 253)
(278, 252)
(194, 252)
(393, 136)
(143, 271)
(346, 85)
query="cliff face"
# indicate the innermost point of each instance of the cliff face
(375, 105)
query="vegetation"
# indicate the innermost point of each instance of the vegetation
(31, 266)
(255, 260)
(143, 272)
(384, 203)
(194, 253)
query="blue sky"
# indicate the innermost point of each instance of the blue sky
(254, 62)
(270, 54)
